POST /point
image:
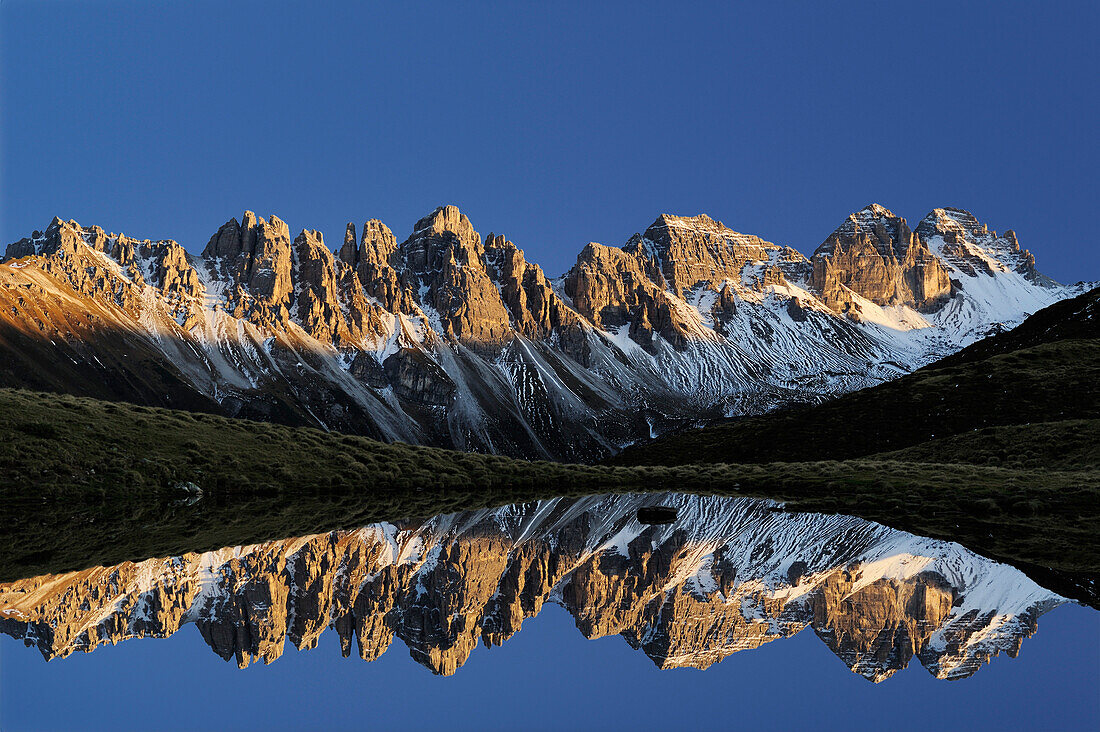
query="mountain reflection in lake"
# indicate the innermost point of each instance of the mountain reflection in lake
(727, 575)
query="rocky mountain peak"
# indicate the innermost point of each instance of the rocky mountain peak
(876, 210)
(115, 268)
(972, 247)
(950, 222)
(349, 250)
(446, 218)
(875, 255)
(876, 225)
(614, 287)
(443, 236)
(697, 250)
(378, 242)
(678, 259)
(445, 257)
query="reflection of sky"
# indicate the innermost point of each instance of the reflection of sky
(548, 676)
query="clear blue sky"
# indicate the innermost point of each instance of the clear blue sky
(549, 677)
(554, 123)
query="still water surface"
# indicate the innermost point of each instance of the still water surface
(508, 618)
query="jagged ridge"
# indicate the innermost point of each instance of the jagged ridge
(444, 339)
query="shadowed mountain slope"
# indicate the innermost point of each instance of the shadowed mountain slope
(1047, 370)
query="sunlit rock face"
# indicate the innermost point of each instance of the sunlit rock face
(727, 575)
(874, 254)
(448, 339)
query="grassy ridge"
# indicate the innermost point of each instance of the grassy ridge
(1070, 445)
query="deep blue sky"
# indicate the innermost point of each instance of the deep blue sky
(554, 123)
(549, 677)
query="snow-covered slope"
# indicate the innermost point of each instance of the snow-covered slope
(728, 575)
(446, 339)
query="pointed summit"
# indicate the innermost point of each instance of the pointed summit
(951, 223)
(441, 235)
(888, 233)
(446, 258)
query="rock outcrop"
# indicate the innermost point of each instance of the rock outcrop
(726, 576)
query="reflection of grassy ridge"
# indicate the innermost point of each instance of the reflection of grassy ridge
(1033, 517)
(88, 482)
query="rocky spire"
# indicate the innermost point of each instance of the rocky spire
(318, 297)
(270, 277)
(535, 308)
(349, 252)
(446, 257)
(379, 268)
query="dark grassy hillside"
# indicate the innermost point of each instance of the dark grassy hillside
(54, 446)
(1069, 445)
(1047, 370)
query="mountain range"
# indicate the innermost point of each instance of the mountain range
(448, 339)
